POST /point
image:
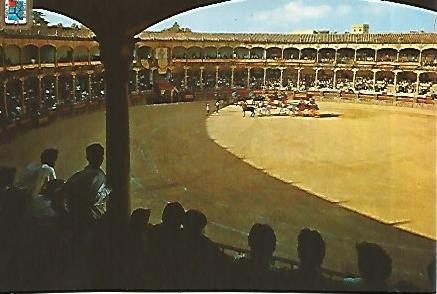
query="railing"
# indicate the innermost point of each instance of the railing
(292, 264)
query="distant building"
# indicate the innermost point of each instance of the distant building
(361, 28)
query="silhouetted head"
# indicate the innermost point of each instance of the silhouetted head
(194, 221)
(139, 219)
(51, 187)
(173, 214)
(374, 264)
(95, 154)
(310, 248)
(7, 176)
(49, 156)
(262, 240)
(431, 272)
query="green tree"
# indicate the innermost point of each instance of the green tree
(38, 18)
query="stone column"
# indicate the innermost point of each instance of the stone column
(90, 84)
(73, 79)
(335, 56)
(264, 76)
(116, 54)
(39, 96)
(57, 87)
(202, 68)
(317, 56)
(334, 82)
(137, 82)
(420, 58)
(395, 81)
(232, 76)
(5, 101)
(417, 82)
(316, 81)
(281, 77)
(374, 79)
(355, 55)
(376, 55)
(22, 96)
(354, 77)
(216, 76)
(298, 77)
(185, 77)
(248, 78)
(397, 56)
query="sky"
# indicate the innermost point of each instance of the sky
(285, 16)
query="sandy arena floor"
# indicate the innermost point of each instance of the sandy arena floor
(174, 158)
(378, 161)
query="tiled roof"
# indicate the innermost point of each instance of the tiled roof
(403, 38)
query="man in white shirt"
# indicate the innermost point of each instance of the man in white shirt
(36, 175)
(86, 191)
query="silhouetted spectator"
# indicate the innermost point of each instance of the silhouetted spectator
(86, 192)
(205, 264)
(374, 265)
(166, 247)
(311, 251)
(38, 174)
(255, 271)
(431, 269)
(138, 250)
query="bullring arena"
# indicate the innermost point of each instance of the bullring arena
(297, 172)
(364, 170)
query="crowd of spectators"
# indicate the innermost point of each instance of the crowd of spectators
(54, 235)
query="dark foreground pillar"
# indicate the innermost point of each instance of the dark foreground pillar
(116, 53)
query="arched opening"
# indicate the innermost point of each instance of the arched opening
(257, 53)
(224, 77)
(179, 53)
(64, 56)
(145, 80)
(144, 52)
(15, 99)
(48, 87)
(240, 77)
(273, 78)
(209, 77)
(406, 82)
(345, 55)
(384, 82)
(289, 78)
(12, 55)
(225, 53)
(325, 79)
(409, 55)
(428, 83)
(429, 57)
(98, 85)
(274, 53)
(386, 55)
(307, 79)
(256, 78)
(178, 77)
(210, 52)
(95, 54)
(81, 55)
(48, 55)
(326, 55)
(241, 53)
(194, 53)
(65, 84)
(193, 79)
(364, 80)
(82, 87)
(366, 55)
(308, 54)
(291, 53)
(344, 80)
(29, 55)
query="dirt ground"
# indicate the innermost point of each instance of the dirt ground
(174, 158)
(378, 161)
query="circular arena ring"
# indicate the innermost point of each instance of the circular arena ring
(342, 176)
